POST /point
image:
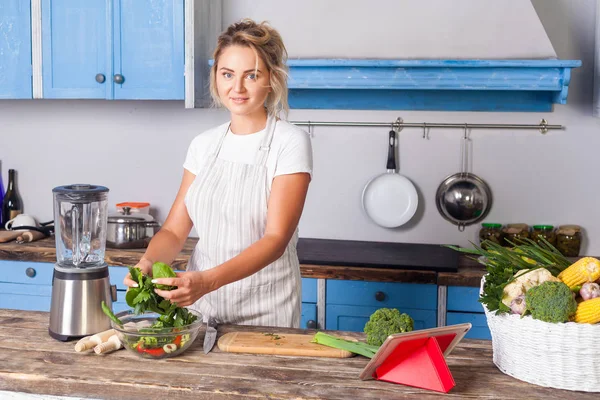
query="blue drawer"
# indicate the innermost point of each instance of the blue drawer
(15, 272)
(354, 318)
(309, 290)
(479, 329)
(309, 313)
(463, 298)
(400, 295)
(27, 302)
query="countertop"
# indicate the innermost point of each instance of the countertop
(32, 362)
(469, 272)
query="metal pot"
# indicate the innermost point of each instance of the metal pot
(130, 231)
(464, 198)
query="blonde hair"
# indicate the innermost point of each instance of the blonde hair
(267, 44)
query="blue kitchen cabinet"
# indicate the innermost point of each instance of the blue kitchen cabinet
(462, 306)
(354, 318)
(350, 303)
(27, 285)
(76, 48)
(15, 50)
(308, 318)
(113, 49)
(149, 49)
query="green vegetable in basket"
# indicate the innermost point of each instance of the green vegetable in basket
(551, 302)
(502, 265)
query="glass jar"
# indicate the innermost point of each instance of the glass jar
(515, 233)
(568, 240)
(543, 231)
(492, 232)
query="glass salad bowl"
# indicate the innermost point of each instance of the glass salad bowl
(140, 338)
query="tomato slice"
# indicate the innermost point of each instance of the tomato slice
(177, 341)
(157, 352)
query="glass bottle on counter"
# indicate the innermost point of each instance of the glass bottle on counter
(568, 240)
(515, 233)
(543, 231)
(1, 199)
(12, 204)
(492, 232)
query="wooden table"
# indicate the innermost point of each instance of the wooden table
(32, 362)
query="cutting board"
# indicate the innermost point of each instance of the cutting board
(277, 343)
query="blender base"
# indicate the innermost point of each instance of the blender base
(63, 338)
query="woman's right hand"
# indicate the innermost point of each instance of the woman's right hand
(145, 265)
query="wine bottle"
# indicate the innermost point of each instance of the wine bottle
(1, 199)
(12, 204)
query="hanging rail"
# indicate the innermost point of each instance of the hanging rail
(543, 126)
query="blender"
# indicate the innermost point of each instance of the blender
(80, 282)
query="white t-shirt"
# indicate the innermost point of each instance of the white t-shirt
(291, 150)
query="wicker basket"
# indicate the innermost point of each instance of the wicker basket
(562, 356)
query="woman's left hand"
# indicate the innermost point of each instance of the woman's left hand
(190, 287)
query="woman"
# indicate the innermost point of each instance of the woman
(243, 189)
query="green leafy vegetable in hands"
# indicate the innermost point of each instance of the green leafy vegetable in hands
(343, 344)
(143, 298)
(503, 263)
(385, 322)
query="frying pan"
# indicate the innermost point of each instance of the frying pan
(463, 198)
(390, 199)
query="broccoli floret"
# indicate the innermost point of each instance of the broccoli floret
(551, 302)
(385, 322)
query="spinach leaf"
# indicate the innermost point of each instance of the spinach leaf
(162, 270)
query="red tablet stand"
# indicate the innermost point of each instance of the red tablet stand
(419, 363)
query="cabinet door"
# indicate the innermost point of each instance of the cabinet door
(15, 50)
(75, 49)
(148, 49)
(354, 318)
(308, 320)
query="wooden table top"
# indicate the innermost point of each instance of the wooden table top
(32, 362)
(469, 273)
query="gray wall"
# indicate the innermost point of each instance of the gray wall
(137, 148)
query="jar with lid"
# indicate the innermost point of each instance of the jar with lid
(515, 233)
(568, 240)
(492, 232)
(543, 231)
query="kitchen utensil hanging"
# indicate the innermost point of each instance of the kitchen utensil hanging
(464, 198)
(390, 199)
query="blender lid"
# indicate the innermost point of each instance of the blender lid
(81, 192)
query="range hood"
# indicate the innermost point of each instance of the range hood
(460, 55)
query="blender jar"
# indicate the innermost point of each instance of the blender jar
(80, 217)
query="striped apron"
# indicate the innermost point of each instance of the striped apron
(227, 203)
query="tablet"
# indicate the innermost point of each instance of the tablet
(447, 336)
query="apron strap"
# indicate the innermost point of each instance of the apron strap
(217, 148)
(265, 145)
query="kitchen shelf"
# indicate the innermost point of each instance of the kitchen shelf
(441, 85)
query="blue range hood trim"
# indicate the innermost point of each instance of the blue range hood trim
(441, 85)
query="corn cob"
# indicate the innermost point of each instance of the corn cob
(585, 270)
(588, 312)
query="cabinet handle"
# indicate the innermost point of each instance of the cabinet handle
(380, 296)
(100, 78)
(30, 272)
(311, 324)
(118, 78)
